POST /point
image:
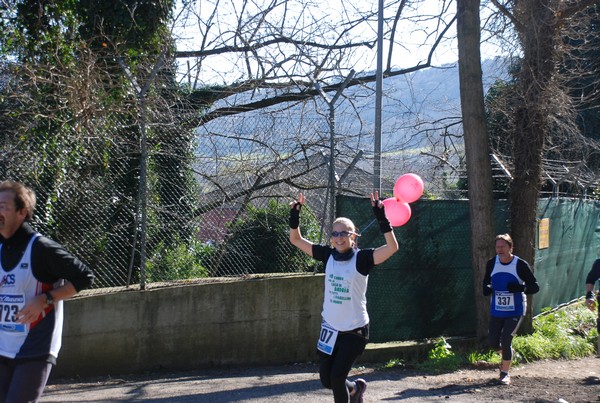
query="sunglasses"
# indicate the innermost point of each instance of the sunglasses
(345, 234)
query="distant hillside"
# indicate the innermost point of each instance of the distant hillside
(411, 102)
(421, 121)
(421, 101)
(420, 116)
(442, 83)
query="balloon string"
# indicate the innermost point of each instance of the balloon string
(368, 225)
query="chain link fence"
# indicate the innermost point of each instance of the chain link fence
(147, 190)
(219, 212)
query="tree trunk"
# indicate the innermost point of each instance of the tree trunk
(538, 36)
(479, 169)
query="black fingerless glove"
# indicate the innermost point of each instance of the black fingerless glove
(487, 290)
(515, 287)
(384, 223)
(295, 215)
(589, 295)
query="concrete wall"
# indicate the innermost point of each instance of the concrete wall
(247, 322)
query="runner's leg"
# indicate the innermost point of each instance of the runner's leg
(5, 377)
(28, 382)
(349, 347)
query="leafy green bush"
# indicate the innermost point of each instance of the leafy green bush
(180, 262)
(259, 243)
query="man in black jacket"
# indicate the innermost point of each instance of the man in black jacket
(36, 275)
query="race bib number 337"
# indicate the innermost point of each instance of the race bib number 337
(505, 301)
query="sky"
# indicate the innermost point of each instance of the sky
(411, 34)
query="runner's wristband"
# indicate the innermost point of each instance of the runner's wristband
(589, 295)
(295, 216)
(382, 220)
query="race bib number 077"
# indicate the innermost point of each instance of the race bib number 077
(327, 338)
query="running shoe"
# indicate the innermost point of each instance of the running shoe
(504, 378)
(361, 386)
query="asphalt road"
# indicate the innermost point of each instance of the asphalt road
(571, 381)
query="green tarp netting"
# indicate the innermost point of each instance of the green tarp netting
(426, 289)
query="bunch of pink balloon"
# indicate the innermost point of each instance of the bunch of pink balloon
(408, 188)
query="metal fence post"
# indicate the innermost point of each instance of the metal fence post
(143, 185)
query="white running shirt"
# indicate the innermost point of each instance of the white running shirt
(17, 287)
(345, 301)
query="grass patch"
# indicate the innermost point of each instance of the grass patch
(477, 358)
(567, 332)
(394, 363)
(441, 358)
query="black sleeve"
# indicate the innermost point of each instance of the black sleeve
(487, 277)
(321, 252)
(594, 273)
(52, 262)
(364, 261)
(524, 271)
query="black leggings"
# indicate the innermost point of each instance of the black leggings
(334, 368)
(23, 381)
(501, 333)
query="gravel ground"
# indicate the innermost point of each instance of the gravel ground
(545, 381)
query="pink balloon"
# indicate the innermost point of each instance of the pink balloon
(396, 211)
(408, 188)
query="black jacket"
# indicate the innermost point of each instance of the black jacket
(50, 261)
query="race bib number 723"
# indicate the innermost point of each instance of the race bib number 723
(10, 305)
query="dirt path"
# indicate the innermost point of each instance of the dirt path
(546, 381)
